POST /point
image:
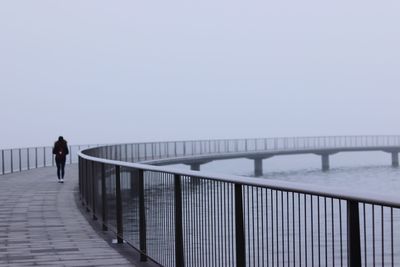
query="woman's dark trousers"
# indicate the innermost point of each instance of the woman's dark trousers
(60, 168)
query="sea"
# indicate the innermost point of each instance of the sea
(362, 171)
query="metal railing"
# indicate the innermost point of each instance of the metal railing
(138, 152)
(187, 218)
(22, 159)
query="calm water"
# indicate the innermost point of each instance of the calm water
(363, 171)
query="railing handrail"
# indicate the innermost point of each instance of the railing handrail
(204, 140)
(50, 146)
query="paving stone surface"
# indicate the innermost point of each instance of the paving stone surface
(40, 224)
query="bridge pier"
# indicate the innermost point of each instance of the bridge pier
(395, 156)
(325, 162)
(395, 159)
(195, 167)
(258, 167)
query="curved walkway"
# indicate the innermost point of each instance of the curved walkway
(41, 225)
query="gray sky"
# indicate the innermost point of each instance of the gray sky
(125, 71)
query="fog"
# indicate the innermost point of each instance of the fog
(125, 71)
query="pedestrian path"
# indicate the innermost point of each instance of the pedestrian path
(41, 225)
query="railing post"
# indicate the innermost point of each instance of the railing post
(80, 176)
(126, 152)
(83, 182)
(27, 159)
(87, 185)
(103, 198)
(353, 234)
(70, 155)
(2, 162)
(142, 218)
(93, 178)
(36, 158)
(239, 222)
(12, 161)
(176, 154)
(179, 255)
(20, 160)
(120, 230)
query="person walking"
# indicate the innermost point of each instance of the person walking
(60, 150)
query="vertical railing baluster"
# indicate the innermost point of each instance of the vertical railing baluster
(312, 230)
(333, 232)
(239, 227)
(104, 204)
(373, 235)
(142, 217)
(179, 255)
(391, 236)
(365, 236)
(305, 230)
(326, 232)
(319, 230)
(353, 234)
(287, 227)
(120, 230)
(341, 234)
(383, 237)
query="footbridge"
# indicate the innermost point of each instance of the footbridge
(175, 217)
(197, 153)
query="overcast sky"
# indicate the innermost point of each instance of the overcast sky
(125, 71)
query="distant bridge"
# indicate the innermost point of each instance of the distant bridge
(198, 153)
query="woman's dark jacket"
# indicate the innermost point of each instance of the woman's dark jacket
(61, 151)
